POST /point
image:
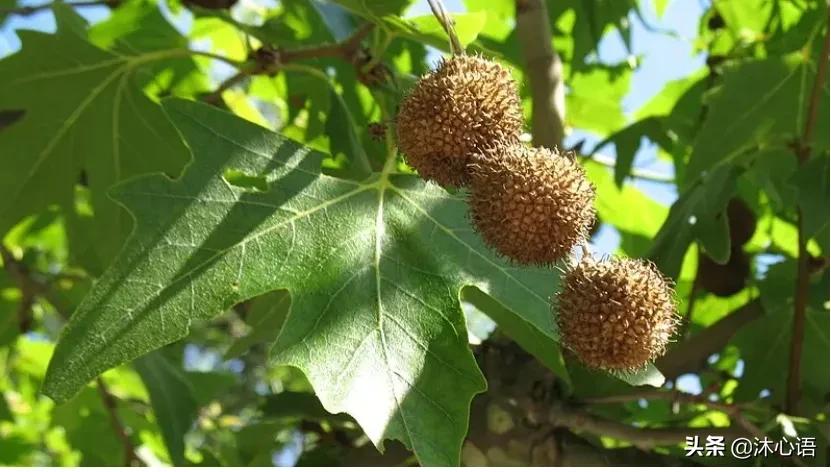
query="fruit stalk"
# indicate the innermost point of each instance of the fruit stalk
(447, 23)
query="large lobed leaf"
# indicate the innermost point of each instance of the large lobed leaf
(761, 104)
(83, 110)
(374, 270)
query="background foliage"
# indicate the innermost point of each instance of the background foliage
(289, 292)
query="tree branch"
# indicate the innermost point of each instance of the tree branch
(691, 354)
(675, 396)
(803, 153)
(31, 10)
(643, 438)
(110, 404)
(268, 60)
(544, 71)
(346, 49)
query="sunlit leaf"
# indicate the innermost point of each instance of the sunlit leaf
(375, 324)
(84, 110)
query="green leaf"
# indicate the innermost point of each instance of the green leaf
(303, 405)
(761, 102)
(766, 363)
(520, 330)
(172, 399)
(698, 214)
(627, 142)
(667, 99)
(207, 386)
(137, 27)
(344, 139)
(84, 111)
(594, 98)
(87, 426)
(811, 180)
(646, 376)
(610, 199)
(584, 23)
(265, 317)
(773, 171)
(427, 28)
(374, 270)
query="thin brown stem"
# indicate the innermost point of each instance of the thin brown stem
(111, 405)
(643, 438)
(215, 97)
(345, 49)
(447, 23)
(691, 354)
(269, 60)
(813, 103)
(675, 396)
(803, 153)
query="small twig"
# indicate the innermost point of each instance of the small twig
(447, 23)
(643, 438)
(215, 97)
(268, 60)
(31, 10)
(803, 153)
(676, 396)
(110, 404)
(345, 49)
(691, 354)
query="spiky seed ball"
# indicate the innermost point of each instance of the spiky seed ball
(616, 314)
(742, 221)
(530, 204)
(468, 103)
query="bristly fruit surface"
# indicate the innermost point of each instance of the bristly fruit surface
(466, 104)
(616, 314)
(530, 204)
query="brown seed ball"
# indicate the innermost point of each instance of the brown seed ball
(468, 103)
(742, 222)
(724, 280)
(616, 314)
(530, 204)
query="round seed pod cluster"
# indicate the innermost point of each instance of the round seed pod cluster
(731, 277)
(616, 314)
(468, 103)
(460, 126)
